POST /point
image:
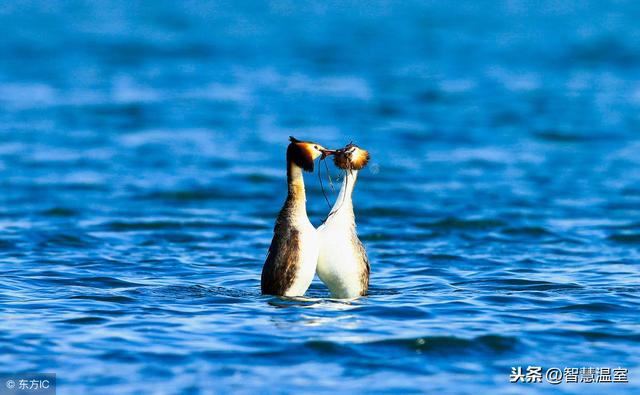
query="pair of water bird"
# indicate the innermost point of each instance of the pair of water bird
(298, 250)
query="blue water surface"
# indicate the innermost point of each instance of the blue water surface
(142, 168)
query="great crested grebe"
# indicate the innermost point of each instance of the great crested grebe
(343, 264)
(293, 254)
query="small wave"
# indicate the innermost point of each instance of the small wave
(443, 345)
(377, 291)
(557, 136)
(6, 244)
(604, 50)
(59, 212)
(120, 356)
(535, 231)
(516, 284)
(446, 346)
(100, 298)
(124, 226)
(403, 236)
(94, 282)
(593, 307)
(328, 347)
(66, 240)
(589, 335)
(457, 223)
(155, 225)
(260, 178)
(195, 195)
(173, 237)
(400, 312)
(224, 291)
(284, 302)
(377, 237)
(196, 291)
(84, 321)
(383, 212)
(626, 238)
(443, 257)
(166, 357)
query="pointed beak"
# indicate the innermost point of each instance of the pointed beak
(327, 152)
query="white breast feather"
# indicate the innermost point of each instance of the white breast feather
(309, 253)
(338, 266)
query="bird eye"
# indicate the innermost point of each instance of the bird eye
(316, 147)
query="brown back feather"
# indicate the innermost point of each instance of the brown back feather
(281, 265)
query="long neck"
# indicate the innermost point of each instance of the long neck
(344, 200)
(296, 197)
